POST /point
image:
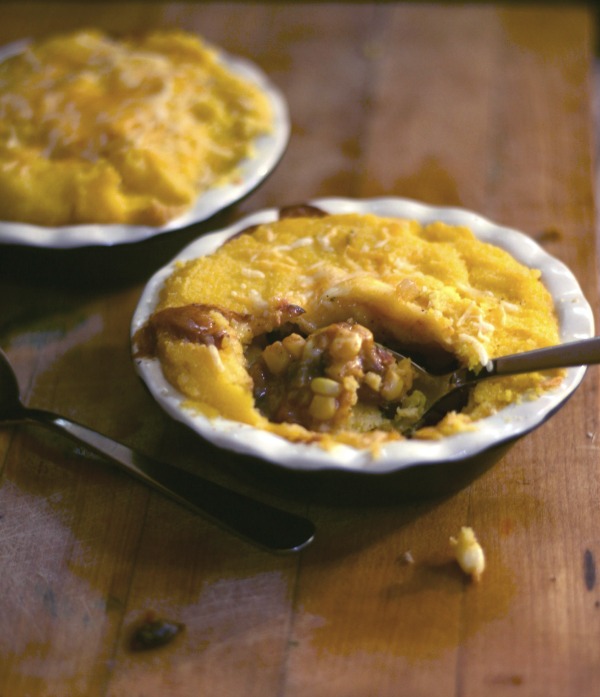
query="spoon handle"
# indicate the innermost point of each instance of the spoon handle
(585, 352)
(257, 522)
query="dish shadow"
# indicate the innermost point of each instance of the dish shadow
(98, 267)
(336, 487)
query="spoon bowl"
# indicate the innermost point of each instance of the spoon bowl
(254, 521)
(448, 392)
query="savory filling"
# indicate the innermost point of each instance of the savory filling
(106, 130)
(323, 381)
(289, 326)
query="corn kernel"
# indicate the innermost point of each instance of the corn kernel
(336, 371)
(276, 358)
(325, 386)
(294, 344)
(469, 553)
(322, 407)
(312, 349)
(346, 346)
(373, 380)
(393, 385)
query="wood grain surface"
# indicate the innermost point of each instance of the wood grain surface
(481, 106)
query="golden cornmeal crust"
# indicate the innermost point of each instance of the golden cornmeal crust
(286, 291)
(99, 130)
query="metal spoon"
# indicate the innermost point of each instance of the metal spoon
(267, 527)
(448, 392)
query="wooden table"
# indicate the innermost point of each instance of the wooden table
(479, 106)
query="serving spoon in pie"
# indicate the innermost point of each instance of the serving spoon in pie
(448, 392)
(268, 527)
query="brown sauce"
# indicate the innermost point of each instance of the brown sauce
(196, 324)
(192, 323)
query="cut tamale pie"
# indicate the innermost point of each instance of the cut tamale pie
(284, 325)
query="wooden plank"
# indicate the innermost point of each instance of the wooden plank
(242, 617)
(466, 105)
(70, 527)
(432, 105)
(475, 136)
(543, 185)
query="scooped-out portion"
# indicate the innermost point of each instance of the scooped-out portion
(285, 326)
(335, 379)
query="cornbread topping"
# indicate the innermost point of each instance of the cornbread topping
(99, 130)
(284, 326)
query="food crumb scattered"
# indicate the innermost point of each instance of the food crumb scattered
(469, 553)
(549, 234)
(154, 632)
(408, 558)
